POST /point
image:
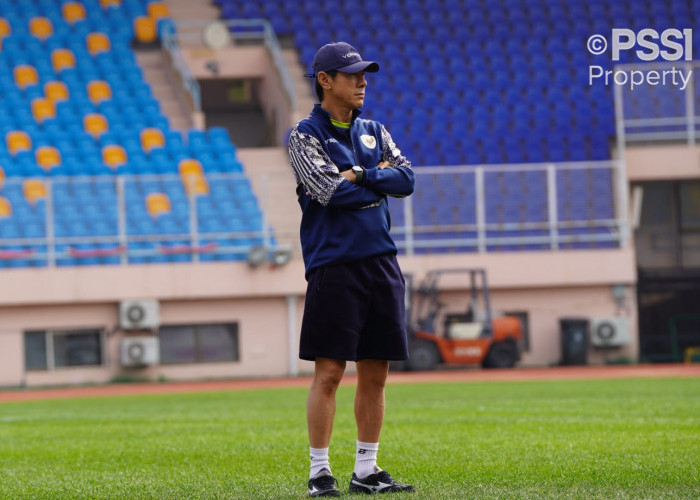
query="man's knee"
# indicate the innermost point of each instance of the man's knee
(328, 374)
(372, 372)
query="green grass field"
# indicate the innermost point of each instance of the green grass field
(545, 439)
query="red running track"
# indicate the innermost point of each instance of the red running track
(469, 375)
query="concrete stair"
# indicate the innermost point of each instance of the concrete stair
(166, 90)
(192, 10)
(306, 98)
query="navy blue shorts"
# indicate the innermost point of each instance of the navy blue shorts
(355, 311)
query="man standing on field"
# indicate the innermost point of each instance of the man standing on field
(345, 168)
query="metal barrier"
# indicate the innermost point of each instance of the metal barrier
(108, 219)
(454, 209)
(661, 105)
(511, 207)
(189, 82)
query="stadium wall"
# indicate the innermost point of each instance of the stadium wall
(246, 63)
(267, 304)
(662, 162)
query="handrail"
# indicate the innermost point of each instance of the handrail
(189, 82)
(682, 127)
(472, 231)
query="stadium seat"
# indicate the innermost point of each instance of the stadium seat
(17, 141)
(56, 91)
(5, 207)
(157, 10)
(43, 109)
(47, 157)
(97, 43)
(34, 190)
(151, 138)
(145, 29)
(98, 91)
(25, 75)
(62, 59)
(73, 12)
(95, 124)
(3, 176)
(114, 156)
(190, 166)
(40, 27)
(5, 28)
(110, 3)
(158, 204)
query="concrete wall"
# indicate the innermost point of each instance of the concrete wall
(666, 162)
(247, 62)
(548, 285)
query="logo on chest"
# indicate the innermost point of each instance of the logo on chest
(369, 141)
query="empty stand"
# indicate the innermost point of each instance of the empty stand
(81, 126)
(491, 83)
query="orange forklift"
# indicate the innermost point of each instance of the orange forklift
(470, 337)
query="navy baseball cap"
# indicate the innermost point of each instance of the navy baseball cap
(341, 56)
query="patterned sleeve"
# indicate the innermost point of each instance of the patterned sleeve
(391, 153)
(312, 167)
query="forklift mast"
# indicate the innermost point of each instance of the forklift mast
(429, 305)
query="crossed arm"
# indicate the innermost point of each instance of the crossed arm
(324, 182)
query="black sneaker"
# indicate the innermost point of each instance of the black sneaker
(379, 482)
(323, 485)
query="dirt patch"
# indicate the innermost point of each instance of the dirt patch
(470, 375)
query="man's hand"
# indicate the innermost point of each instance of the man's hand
(349, 175)
(352, 177)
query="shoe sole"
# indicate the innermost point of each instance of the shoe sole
(368, 491)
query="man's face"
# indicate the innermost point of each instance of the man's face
(348, 89)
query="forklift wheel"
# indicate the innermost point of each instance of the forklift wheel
(422, 355)
(501, 355)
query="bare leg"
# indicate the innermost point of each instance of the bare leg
(369, 399)
(320, 405)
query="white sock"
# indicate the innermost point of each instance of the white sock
(319, 461)
(366, 459)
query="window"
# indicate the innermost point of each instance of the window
(46, 350)
(198, 343)
(668, 236)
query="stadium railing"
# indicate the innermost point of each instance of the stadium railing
(512, 208)
(658, 111)
(107, 220)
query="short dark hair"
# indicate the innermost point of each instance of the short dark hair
(319, 89)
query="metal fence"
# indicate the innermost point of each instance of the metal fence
(657, 102)
(108, 220)
(511, 207)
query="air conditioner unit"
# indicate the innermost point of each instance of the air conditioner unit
(140, 351)
(139, 314)
(610, 332)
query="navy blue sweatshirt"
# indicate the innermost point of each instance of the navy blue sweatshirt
(341, 220)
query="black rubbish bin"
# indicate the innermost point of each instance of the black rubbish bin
(574, 341)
